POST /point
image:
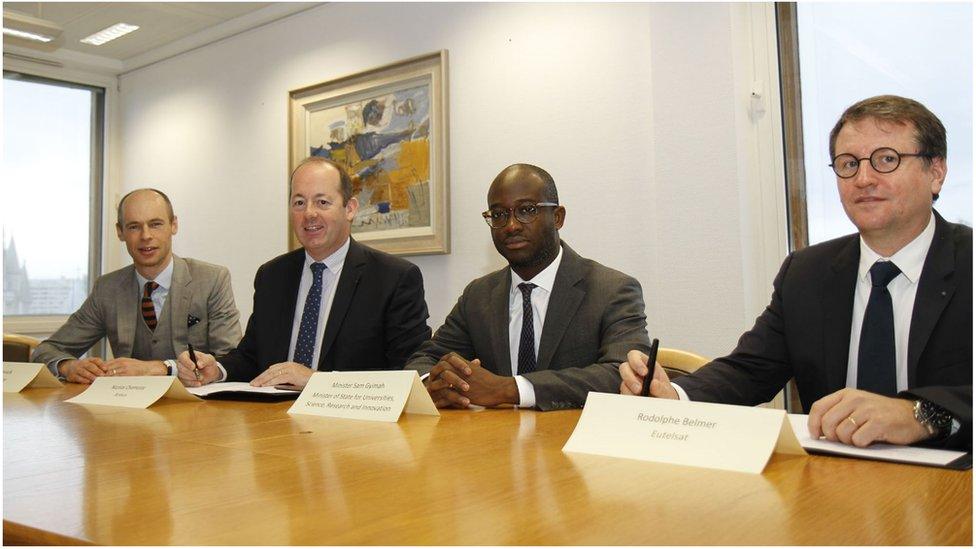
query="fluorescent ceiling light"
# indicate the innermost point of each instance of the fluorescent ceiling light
(23, 30)
(27, 35)
(105, 35)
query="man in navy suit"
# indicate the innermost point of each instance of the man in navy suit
(334, 304)
(875, 327)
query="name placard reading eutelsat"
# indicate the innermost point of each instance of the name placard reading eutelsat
(373, 396)
(699, 434)
(132, 391)
(18, 376)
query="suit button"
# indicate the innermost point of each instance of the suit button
(155, 341)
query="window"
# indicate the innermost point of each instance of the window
(833, 55)
(52, 194)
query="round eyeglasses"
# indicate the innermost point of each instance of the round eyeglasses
(496, 218)
(883, 160)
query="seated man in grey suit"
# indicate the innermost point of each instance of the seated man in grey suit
(542, 332)
(876, 327)
(149, 310)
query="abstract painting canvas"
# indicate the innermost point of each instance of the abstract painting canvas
(388, 128)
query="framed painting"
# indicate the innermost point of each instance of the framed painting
(388, 127)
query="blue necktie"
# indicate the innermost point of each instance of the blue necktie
(526, 354)
(307, 330)
(876, 351)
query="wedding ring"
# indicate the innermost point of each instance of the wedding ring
(854, 421)
(114, 371)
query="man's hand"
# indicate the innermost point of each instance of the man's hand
(82, 370)
(860, 418)
(284, 373)
(446, 380)
(206, 370)
(634, 371)
(484, 388)
(133, 367)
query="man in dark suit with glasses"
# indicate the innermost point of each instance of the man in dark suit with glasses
(543, 331)
(875, 327)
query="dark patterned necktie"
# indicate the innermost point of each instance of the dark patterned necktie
(148, 311)
(526, 354)
(876, 351)
(308, 329)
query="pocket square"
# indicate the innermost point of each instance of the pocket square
(191, 321)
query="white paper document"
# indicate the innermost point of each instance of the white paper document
(699, 434)
(236, 387)
(132, 391)
(883, 452)
(18, 376)
(373, 396)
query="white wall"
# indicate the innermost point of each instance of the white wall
(635, 109)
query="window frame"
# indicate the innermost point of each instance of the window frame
(46, 324)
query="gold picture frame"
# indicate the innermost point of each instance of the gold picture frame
(388, 126)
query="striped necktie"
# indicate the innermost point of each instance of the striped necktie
(148, 310)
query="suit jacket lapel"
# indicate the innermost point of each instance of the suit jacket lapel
(352, 270)
(289, 299)
(935, 289)
(563, 303)
(179, 299)
(837, 297)
(126, 302)
(497, 308)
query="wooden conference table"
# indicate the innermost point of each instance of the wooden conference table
(243, 473)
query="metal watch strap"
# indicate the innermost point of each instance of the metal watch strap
(170, 366)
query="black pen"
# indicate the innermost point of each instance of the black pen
(196, 370)
(651, 360)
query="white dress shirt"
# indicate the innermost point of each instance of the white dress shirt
(330, 279)
(540, 304)
(330, 276)
(910, 260)
(902, 288)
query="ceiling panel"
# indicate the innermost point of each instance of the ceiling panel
(160, 22)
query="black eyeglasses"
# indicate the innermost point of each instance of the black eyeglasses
(496, 218)
(883, 160)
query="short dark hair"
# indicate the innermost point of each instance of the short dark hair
(549, 192)
(345, 180)
(169, 205)
(930, 134)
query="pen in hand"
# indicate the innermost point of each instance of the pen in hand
(196, 370)
(651, 361)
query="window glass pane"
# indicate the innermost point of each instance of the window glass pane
(851, 51)
(46, 188)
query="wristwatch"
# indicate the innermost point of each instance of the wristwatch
(936, 419)
(170, 366)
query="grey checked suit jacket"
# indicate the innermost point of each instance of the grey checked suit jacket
(595, 315)
(199, 289)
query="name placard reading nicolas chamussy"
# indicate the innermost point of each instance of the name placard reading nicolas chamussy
(700, 434)
(132, 391)
(17, 376)
(374, 396)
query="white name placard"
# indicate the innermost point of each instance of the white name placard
(17, 376)
(373, 396)
(132, 391)
(699, 434)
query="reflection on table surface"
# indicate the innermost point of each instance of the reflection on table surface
(245, 473)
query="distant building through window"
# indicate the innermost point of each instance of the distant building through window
(52, 192)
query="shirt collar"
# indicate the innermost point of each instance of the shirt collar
(164, 278)
(909, 259)
(545, 279)
(333, 262)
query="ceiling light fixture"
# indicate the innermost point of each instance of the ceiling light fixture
(27, 35)
(23, 30)
(106, 35)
